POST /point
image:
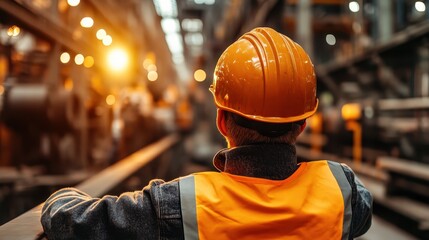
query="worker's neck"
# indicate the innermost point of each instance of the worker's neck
(270, 161)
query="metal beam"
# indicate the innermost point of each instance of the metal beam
(115, 16)
(304, 29)
(262, 12)
(404, 104)
(407, 36)
(53, 30)
(385, 23)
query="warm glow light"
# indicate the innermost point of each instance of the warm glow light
(13, 31)
(147, 62)
(351, 111)
(1, 90)
(107, 40)
(101, 33)
(88, 62)
(152, 76)
(65, 57)
(316, 122)
(87, 22)
(200, 75)
(117, 59)
(354, 6)
(78, 59)
(110, 100)
(73, 3)
(151, 67)
(68, 84)
(420, 6)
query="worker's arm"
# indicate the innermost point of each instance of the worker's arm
(72, 214)
(361, 204)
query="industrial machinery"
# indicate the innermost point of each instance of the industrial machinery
(84, 84)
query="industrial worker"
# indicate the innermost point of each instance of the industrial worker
(264, 88)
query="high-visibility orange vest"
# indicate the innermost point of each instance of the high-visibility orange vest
(313, 203)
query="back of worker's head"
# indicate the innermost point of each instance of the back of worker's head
(266, 83)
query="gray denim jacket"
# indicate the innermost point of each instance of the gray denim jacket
(154, 212)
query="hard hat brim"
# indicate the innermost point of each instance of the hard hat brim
(267, 119)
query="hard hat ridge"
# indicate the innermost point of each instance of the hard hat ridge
(276, 74)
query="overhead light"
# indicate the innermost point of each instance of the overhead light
(192, 25)
(117, 59)
(354, 6)
(152, 76)
(65, 57)
(166, 8)
(107, 40)
(174, 42)
(13, 31)
(420, 6)
(195, 39)
(78, 59)
(170, 25)
(178, 58)
(206, 2)
(146, 63)
(101, 33)
(330, 39)
(88, 62)
(149, 59)
(151, 67)
(200, 75)
(87, 22)
(73, 3)
(68, 84)
(110, 100)
(351, 111)
(25, 44)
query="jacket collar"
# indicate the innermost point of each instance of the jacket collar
(270, 161)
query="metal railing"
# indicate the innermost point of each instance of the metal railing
(27, 226)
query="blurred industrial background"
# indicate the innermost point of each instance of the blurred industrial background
(86, 83)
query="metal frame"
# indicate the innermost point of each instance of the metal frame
(43, 25)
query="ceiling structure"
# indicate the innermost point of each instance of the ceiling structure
(182, 36)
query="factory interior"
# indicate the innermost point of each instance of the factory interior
(105, 95)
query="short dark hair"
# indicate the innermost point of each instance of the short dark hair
(244, 131)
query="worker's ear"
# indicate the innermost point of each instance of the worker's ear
(220, 122)
(302, 127)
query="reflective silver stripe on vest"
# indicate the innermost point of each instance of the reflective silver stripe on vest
(346, 190)
(188, 207)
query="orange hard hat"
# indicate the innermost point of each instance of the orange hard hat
(265, 76)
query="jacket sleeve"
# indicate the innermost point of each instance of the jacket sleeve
(72, 214)
(361, 204)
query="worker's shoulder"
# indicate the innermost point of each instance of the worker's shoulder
(158, 185)
(348, 172)
(330, 162)
(174, 184)
(165, 197)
